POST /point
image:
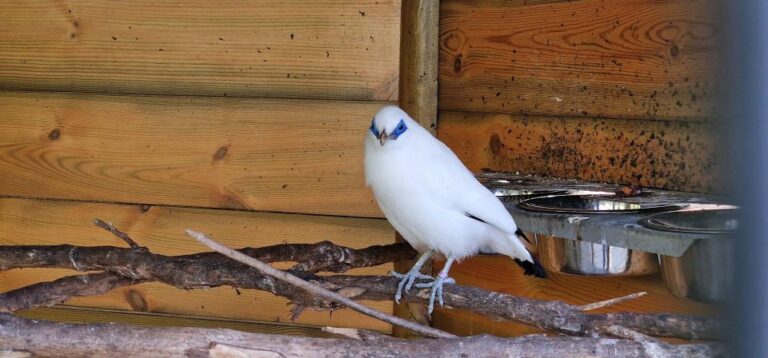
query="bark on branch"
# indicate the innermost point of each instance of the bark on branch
(321, 256)
(212, 269)
(41, 338)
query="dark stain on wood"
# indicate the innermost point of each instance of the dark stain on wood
(495, 144)
(663, 154)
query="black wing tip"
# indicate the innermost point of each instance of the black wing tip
(520, 234)
(532, 268)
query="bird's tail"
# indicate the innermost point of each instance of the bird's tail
(519, 248)
(532, 267)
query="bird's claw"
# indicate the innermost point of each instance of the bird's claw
(406, 282)
(437, 290)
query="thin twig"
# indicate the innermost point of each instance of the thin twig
(358, 334)
(284, 276)
(623, 332)
(612, 301)
(109, 227)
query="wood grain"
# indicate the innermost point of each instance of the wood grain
(297, 49)
(418, 61)
(41, 222)
(663, 154)
(501, 274)
(95, 315)
(624, 59)
(278, 155)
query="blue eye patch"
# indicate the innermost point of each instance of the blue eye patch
(373, 128)
(400, 129)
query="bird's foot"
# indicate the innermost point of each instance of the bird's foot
(437, 290)
(407, 280)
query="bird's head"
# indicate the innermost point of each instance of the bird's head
(389, 124)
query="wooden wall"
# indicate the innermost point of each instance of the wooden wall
(602, 90)
(614, 91)
(158, 116)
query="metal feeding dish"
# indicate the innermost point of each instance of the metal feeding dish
(527, 193)
(517, 188)
(721, 221)
(705, 271)
(594, 204)
(492, 182)
(591, 259)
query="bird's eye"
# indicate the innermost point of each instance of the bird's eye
(399, 129)
(373, 128)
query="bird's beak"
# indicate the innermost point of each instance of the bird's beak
(383, 138)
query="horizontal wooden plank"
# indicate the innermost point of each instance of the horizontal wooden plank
(94, 315)
(501, 274)
(640, 59)
(277, 155)
(663, 154)
(161, 229)
(297, 49)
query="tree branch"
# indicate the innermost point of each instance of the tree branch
(63, 289)
(212, 269)
(321, 256)
(41, 338)
(318, 290)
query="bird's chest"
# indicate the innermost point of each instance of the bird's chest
(403, 191)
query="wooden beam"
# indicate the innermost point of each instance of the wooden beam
(664, 154)
(592, 58)
(277, 155)
(418, 60)
(296, 49)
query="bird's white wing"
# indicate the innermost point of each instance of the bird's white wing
(455, 184)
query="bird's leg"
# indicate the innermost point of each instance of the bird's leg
(407, 279)
(437, 285)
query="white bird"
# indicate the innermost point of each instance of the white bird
(435, 202)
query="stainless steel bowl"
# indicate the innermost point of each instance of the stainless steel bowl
(705, 271)
(517, 189)
(586, 258)
(508, 194)
(595, 204)
(490, 181)
(711, 221)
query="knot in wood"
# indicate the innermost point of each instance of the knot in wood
(54, 134)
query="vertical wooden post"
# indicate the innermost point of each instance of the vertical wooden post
(419, 36)
(419, 44)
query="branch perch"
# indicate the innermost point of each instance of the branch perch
(41, 338)
(212, 269)
(128, 266)
(317, 290)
